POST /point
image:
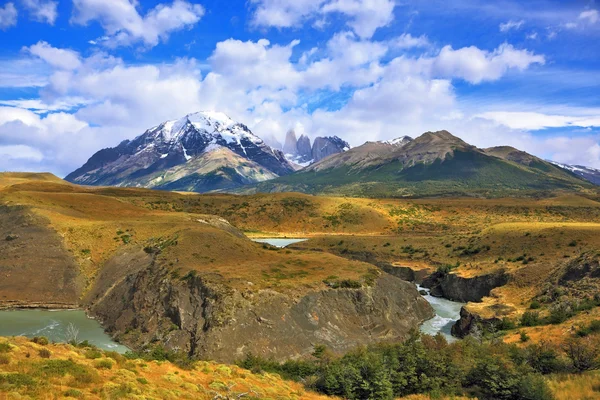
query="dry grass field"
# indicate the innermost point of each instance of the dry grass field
(30, 370)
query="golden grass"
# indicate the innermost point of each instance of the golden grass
(581, 387)
(113, 376)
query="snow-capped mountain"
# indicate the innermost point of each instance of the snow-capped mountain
(200, 152)
(587, 173)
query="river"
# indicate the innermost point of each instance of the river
(54, 324)
(447, 313)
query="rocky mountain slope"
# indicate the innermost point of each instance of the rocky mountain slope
(435, 163)
(200, 152)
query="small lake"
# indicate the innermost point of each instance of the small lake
(53, 325)
(447, 313)
(279, 242)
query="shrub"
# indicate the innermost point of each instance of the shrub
(5, 348)
(103, 363)
(560, 312)
(530, 318)
(593, 327)
(44, 353)
(92, 354)
(73, 393)
(535, 305)
(524, 337)
(534, 387)
(16, 380)
(41, 340)
(582, 353)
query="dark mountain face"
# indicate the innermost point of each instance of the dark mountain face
(166, 154)
(303, 148)
(434, 164)
(326, 146)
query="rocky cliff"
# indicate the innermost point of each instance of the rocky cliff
(457, 288)
(141, 302)
(27, 242)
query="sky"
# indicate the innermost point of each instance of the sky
(77, 76)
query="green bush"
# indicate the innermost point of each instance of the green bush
(103, 363)
(530, 318)
(5, 348)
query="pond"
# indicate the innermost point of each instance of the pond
(447, 313)
(54, 324)
(279, 242)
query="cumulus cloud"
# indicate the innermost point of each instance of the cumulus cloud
(510, 25)
(41, 10)
(363, 16)
(475, 65)
(8, 16)
(125, 26)
(59, 58)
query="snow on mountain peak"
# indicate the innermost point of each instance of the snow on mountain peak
(401, 141)
(215, 125)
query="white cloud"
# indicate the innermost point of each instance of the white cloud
(407, 41)
(532, 35)
(8, 16)
(475, 65)
(509, 25)
(41, 107)
(125, 26)
(363, 16)
(42, 10)
(591, 16)
(535, 120)
(21, 152)
(59, 58)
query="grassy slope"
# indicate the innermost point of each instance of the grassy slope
(91, 374)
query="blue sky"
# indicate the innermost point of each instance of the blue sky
(80, 75)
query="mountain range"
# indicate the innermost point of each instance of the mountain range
(208, 151)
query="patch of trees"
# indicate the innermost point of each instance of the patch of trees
(429, 365)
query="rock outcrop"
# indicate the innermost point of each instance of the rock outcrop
(140, 302)
(289, 146)
(303, 148)
(456, 288)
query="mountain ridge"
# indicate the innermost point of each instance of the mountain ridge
(433, 164)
